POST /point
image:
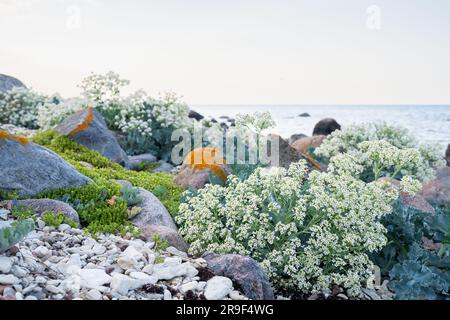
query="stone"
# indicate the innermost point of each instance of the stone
(8, 279)
(189, 286)
(218, 288)
(287, 154)
(41, 206)
(174, 251)
(304, 145)
(295, 137)
(94, 295)
(195, 115)
(4, 214)
(145, 278)
(304, 115)
(88, 128)
(30, 169)
(5, 264)
(197, 179)
(163, 167)
(169, 270)
(245, 273)
(122, 284)
(93, 278)
(325, 127)
(8, 82)
(437, 191)
(139, 162)
(165, 233)
(153, 211)
(41, 252)
(416, 201)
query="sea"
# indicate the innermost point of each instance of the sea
(427, 123)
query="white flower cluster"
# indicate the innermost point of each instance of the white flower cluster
(256, 122)
(170, 112)
(19, 106)
(308, 233)
(103, 88)
(56, 110)
(391, 147)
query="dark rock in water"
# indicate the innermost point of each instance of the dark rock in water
(326, 126)
(140, 161)
(303, 145)
(41, 206)
(447, 155)
(304, 115)
(245, 273)
(296, 137)
(29, 169)
(437, 192)
(8, 82)
(88, 128)
(195, 115)
(165, 233)
(224, 117)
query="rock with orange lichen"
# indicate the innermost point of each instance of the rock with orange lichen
(197, 167)
(304, 145)
(88, 128)
(29, 169)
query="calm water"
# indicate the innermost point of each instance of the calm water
(426, 123)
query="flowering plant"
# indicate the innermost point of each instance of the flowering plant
(19, 107)
(307, 232)
(390, 148)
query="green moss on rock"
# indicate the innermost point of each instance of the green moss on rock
(91, 201)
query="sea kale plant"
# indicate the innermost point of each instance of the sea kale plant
(402, 156)
(19, 107)
(146, 123)
(14, 233)
(308, 232)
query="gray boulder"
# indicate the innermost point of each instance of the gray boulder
(163, 167)
(41, 206)
(88, 128)
(326, 126)
(296, 137)
(8, 82)
(245, 272)
(153, 211)
(30, 169)
(139, 162)
(165, 233)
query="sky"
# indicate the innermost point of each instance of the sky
(236, 52)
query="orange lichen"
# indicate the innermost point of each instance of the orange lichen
(206, 158)
(85, 124)
(6, 135)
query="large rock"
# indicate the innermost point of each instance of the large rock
(437, 191)
(41, 206)
(326, 126)
(29, 169)
(304, 144)
(165, 233)
(416, 201)
(195, 178)
(88, 128)
(245, 272)
(195, 115)
(8, 82)
(287, 154)
(152, 212)
(140, 162)
(296, 136)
